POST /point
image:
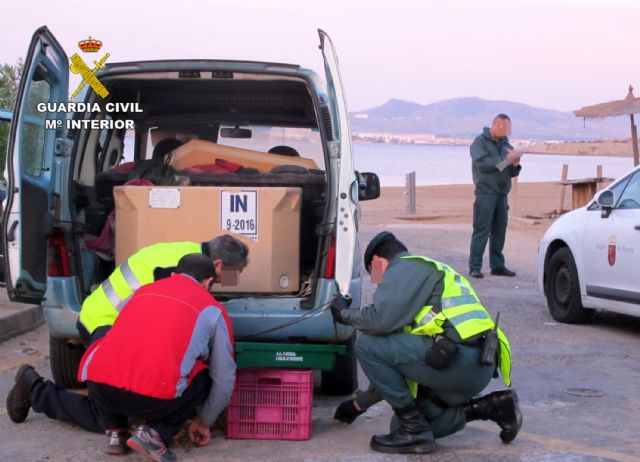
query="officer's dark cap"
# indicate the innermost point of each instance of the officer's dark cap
(373, 245)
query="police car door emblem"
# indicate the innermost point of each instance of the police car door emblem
(611, 250)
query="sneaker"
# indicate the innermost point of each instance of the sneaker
(117, 445)
(147, 442)
(19, 397)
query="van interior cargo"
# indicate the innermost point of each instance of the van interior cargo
(222, 131)
(200, 152)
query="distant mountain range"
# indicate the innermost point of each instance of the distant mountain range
(465, 117)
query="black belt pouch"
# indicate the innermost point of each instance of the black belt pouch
(441, 352)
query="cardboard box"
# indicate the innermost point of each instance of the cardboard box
(200, 152)
(266, 219)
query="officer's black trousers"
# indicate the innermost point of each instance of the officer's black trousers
(66, 406)
(389, 360)
(109, 407)
(490, 216)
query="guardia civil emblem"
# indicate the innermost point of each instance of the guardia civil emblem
(78, 66)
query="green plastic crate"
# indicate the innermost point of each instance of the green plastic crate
(287, 355)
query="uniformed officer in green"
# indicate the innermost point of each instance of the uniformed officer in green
(492, 185)
(422, 345)
(100, 309)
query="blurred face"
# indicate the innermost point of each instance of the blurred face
(378, 267)
(501, 128)
(227, 275)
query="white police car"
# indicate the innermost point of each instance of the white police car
(590, 258)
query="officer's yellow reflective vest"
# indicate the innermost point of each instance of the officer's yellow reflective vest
(460, 306)
(101, 308)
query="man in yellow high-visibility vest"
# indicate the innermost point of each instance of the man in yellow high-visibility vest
(101, 308)
(427, 346)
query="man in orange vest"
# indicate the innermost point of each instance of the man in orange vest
(158, 368)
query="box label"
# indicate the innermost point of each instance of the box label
(239, 213)
(290, 356)
(164, 198)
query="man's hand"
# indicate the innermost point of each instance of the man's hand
(199, 433)
(513, 155)
(347, 411)
(338, 304)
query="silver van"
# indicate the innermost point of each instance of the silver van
(61, 179)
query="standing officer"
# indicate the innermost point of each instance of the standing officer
(426, 326)
(492, 185)
(100, 309)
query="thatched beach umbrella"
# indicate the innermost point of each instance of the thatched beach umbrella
(628, 106)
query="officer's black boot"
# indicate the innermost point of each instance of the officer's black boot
(502, 408)
(413, 437)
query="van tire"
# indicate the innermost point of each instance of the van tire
(343, 378)
(64, 359)
(562, 288)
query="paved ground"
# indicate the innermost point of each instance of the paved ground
(578, 386)
(16, 318)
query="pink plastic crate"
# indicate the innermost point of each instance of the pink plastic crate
(271, 404)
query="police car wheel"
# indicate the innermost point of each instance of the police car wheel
(64, 360)
(563, 289)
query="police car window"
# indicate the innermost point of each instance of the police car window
(630, 198)
(617, 192)
(618, 188)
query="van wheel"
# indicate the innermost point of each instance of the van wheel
(64, 359)
(343, 378)
(563, 289)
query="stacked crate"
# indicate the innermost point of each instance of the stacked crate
(271, 404)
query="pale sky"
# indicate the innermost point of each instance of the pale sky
(556, 54)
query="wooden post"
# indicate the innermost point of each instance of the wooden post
(634, 141)
(563, 188)
(598, 171)
(410, 193)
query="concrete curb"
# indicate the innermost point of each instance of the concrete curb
(20, 322)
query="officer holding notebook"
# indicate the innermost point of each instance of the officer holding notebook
(493, 163)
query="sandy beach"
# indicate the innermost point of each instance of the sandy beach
(618, 148)
(454, 203)
(532, 210)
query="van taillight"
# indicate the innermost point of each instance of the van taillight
(58, 256)
(330, 265)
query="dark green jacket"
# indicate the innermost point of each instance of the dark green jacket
(486, 153)
(407, 286)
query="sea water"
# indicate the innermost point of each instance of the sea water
(439, 165)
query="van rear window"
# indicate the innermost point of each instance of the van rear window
(33, 131)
